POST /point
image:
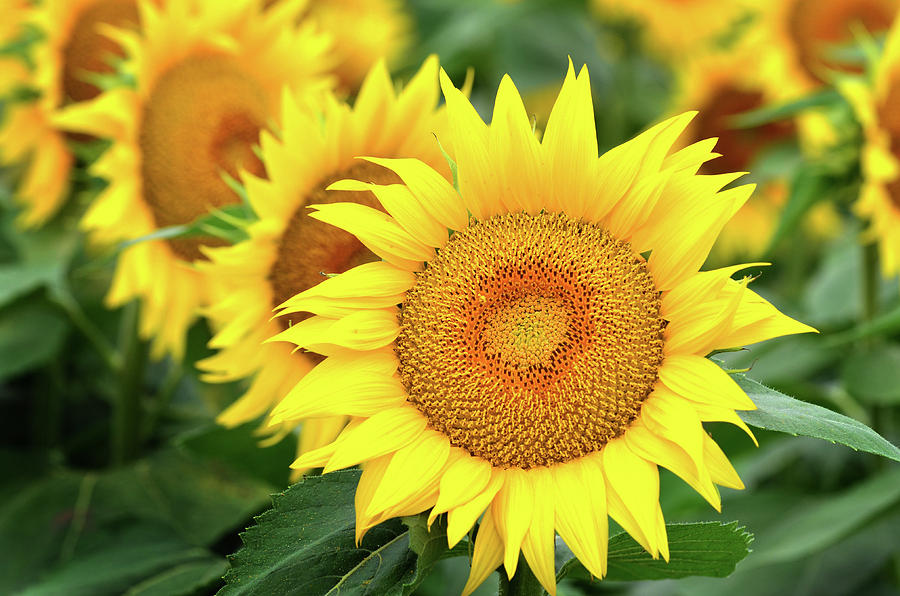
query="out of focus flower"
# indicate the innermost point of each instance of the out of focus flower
(210, 75)
(801, 41)
(677, 28)
(878, 108)
(289, 252)
(364, 31)
(72, 52)
(538, 368)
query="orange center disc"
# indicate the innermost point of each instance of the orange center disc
(817, 24)
(202, 120)
(310, 248)
(90, 51)
(531, 340)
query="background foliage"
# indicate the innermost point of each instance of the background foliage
(98, 500)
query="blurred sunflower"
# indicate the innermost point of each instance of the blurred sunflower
(876, 108)
(364, 31)
(210, 75)
(72, 52)
(289, 252)
(676, 27)
(803, 36)
(538, 368)
(721, 86)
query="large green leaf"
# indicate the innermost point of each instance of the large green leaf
(778, 412)
(185, 578)
(822, 525)
(104, 533)
(31, 333)
(709, 549)
(305, 545)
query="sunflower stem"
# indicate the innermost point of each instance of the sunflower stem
(523, 583)
(870, 281)
(126, 422)
(95, 337)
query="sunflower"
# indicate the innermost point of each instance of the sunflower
(535, 367)
(72, 51)
(876, 108)
(364, 31)
(288, 251)
(210, 76)
(677, 27)
(721, 86)
(802, 34)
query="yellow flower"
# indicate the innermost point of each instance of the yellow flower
(210, 76)
(677, 27)
(876, 108)
(73, 49)
(721, 86)
(538, 368)
(364, 31)
(288, 251)
(800, 34)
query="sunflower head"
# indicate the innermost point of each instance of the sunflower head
(534, 367)
(210, 76)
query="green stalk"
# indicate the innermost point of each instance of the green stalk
(95, 337)
(523, 583)
(126, 421)
(870, 281)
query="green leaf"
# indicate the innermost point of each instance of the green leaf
(31, 333)
(778, 412)
(43, 257)
(709, 549)
(305, 545)
(873, 376)
(137, 552)
(186, 578)
(817, 527)
(884, 324)
(103, 533)
(239, 449)
(782, 111)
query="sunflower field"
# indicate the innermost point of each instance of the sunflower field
(450, 297)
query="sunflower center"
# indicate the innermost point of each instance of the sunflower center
(201, 121)
(817, 24)
(310, 248)
(738, 146)
(89, 51)
(531, 340)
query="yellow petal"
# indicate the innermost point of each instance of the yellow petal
(656, 448)
(437, 196)
(464, 479)
(636, 483)
(519, 153)
(538, 545)
(360, 330)
(513, 508)
(346, 384)
(377, 231)
(699, 379)
(461, 519)
(412, 470)
(403, 206)
(570, 144)
(487, 556)
(580, 497)
(383, 433)
(474, 163)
